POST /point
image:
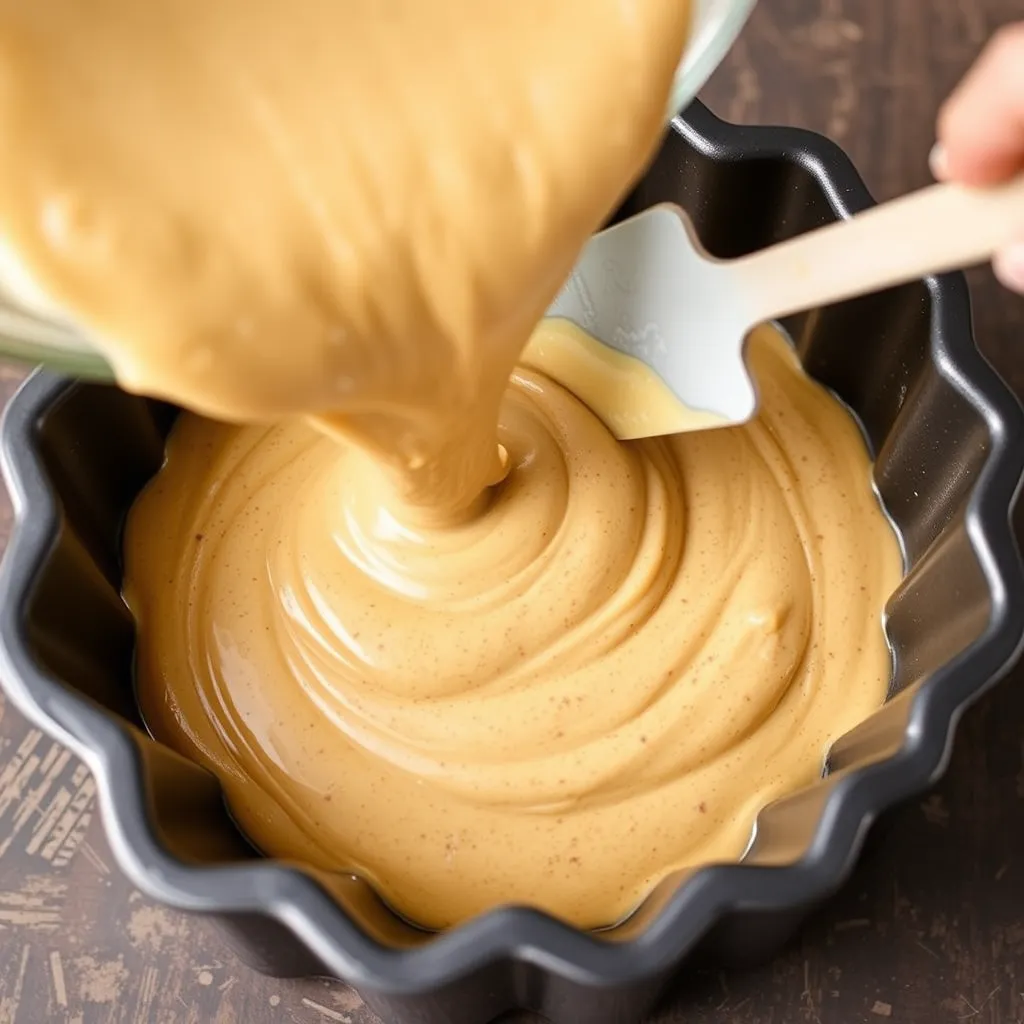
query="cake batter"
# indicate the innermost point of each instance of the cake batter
(426, 624)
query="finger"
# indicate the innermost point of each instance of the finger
(1009, 266)
(939, 162)
(981, 126)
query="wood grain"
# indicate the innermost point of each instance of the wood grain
(931, 928)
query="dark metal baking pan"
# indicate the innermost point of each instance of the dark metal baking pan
(949, 442)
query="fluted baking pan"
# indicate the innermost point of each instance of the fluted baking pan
(949, 441)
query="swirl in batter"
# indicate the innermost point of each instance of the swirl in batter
(601, 677)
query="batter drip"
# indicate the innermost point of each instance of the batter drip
(355, 210)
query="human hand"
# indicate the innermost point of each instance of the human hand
(981, 132)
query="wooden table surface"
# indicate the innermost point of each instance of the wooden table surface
(931, 928)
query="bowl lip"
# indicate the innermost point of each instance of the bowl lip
(516, 934)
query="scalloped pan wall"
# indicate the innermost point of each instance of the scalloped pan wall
(949, 443)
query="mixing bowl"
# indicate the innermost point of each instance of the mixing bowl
(949, 443)
(32, 330)
(716, 24)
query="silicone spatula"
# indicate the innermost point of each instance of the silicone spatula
(647, 289)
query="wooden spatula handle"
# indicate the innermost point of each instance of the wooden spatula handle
(939, 228)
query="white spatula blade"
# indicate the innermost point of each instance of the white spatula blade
(645, 288)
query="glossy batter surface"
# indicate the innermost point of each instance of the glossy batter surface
(601, 677)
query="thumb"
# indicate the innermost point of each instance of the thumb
(981, 126)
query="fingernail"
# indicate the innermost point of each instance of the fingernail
(938, 161)
(1009, 266)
